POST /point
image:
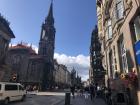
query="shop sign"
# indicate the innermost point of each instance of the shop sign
(137, 51)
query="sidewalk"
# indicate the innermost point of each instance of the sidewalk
(80, 100)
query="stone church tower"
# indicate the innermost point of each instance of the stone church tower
(46, 49)
(47, 38)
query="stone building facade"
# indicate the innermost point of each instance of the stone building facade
(62, 77)
(116, 27)
(5, 37)
(119, 32)
(27, 66)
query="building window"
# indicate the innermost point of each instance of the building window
(137, 28)
(33, 66)
(100, 25)
(119, 9)
(16, 59)
(123, 57)
(109, 29)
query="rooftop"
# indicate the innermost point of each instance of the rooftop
(24, 46)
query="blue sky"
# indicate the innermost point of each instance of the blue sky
(74, 22)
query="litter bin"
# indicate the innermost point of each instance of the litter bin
(67, 98)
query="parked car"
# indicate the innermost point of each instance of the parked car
(11, 92)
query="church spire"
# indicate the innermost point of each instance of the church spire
(47, 38)
(49, 19)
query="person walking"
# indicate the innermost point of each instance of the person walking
(86, 92)
(73, 91)
(92, 91)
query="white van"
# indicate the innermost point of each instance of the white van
(11, 92)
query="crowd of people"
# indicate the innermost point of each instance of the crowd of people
(95, 91)
(92, 91)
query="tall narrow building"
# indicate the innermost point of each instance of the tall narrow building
(47, 38)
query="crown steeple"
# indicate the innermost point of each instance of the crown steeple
(50, 19)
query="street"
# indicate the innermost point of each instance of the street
(43, 98)
(56, 98)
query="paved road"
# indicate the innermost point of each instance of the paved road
(56, 98)
(43, 98)
(81, 100)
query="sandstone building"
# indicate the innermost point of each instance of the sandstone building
(119, 33)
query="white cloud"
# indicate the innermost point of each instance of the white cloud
(81, 63)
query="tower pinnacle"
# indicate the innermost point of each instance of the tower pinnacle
(49, 19)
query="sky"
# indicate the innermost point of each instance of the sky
(74, 22)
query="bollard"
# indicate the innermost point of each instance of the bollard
(67, 98)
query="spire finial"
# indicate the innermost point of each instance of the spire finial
(49, 19)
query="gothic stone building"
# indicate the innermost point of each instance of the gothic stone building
(96, 72)
(5, 37)
(31, 68)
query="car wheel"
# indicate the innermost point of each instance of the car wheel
(6, 101)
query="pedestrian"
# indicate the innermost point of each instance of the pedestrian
(73, 91)
(78, 90)
(86, 92)
(81, 92)
(92, 91)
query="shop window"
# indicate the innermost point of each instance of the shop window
(137, 27)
